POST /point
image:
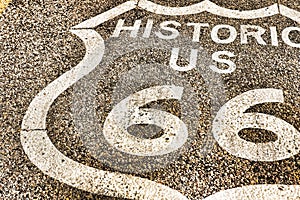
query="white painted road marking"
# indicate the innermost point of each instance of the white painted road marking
(112, 13)
(35, 118)
(40, 150)
(128, 112)
(174, 58)
(192, 9)
(209, 7)
(52, 162)
(231, 119)
(46, 157)
(290, 13)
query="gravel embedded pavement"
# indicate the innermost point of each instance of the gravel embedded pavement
(249, 80)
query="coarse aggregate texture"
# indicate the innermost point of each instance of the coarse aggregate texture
(37, 47)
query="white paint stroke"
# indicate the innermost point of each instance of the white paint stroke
(290, 13)
(213, 8)
(42, 153)
(203, 6)
(52, 162)
(174, 58)
(262, 192)
(231, 119)
(127, 113)
(46, 157)
(35, 117)
(166, 10)
(110, 14)
(246, 14)
(209, 7)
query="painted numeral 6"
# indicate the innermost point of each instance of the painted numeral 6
(231, 119)
(128, 112)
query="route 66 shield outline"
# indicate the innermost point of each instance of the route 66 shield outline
(34, 137)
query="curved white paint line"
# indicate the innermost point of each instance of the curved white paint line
(254, 192)
(187, 10)
(290, 13)
(128, 112)
(42, 153)
(166, 10)
(209, 7)
(213, 8)
(45, 156)
(231, 119)
(110, 14)
(246, 14)
(52, 162)
(35, 117)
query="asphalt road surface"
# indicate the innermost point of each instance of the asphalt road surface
(150, 99)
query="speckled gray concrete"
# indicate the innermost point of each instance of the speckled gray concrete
(36, 48)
